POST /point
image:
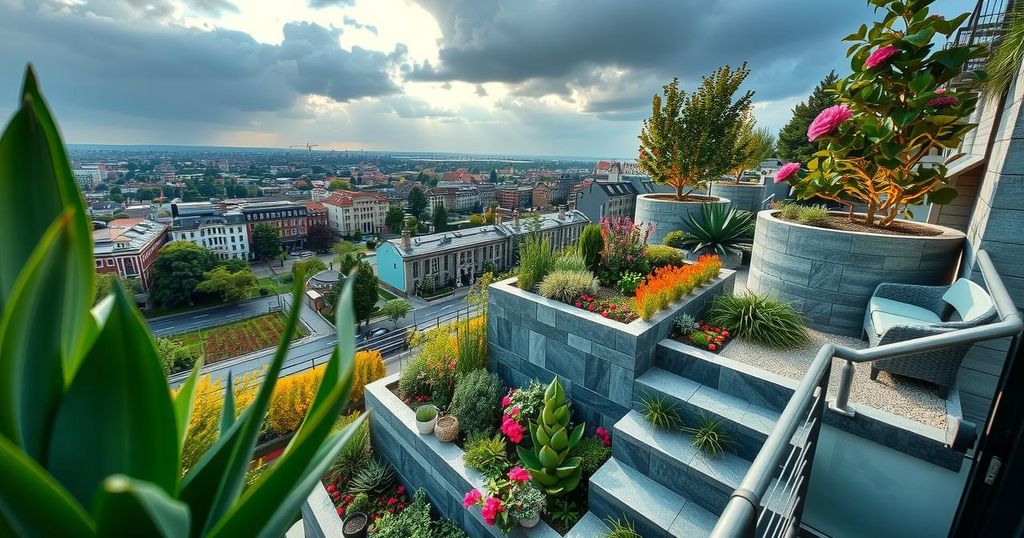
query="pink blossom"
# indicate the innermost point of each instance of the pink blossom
(828, 121)
(492, 507)
(518, 474)
(506, 401)
(472, 497)
(604, 436)
(880, 56)
(939, 91)
(787, 170)
(511, 429)
(943, 101)
(514, 412)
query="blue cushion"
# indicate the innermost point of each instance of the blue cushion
(883, 321)
(970, 300)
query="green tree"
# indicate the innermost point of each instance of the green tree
(179, 267)
(395, 309)
(339, 185)
(688, 139)
(115, 195)
(591, 244)
(319, 237)
(230, 286)
(346, 255)
(266, 241)
(105, 283)
(494, 176)
(793, 144)
(192, 195)
(174, 356)
(417, 201)
(234, 265)
(394, 218)
(753, 145)
(307, 268)
(364, 293)
(439, 216)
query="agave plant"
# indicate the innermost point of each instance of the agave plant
(721, 230)
(548, 461)
(90, 434)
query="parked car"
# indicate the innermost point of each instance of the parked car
(305, 254)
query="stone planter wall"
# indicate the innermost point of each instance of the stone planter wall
(422, 461)
(829, 275)
(597, 359)
(745, 196)
(666, 215)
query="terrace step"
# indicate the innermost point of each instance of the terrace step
(588, 526)
(669, 458)
(618, 490)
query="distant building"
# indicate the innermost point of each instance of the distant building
(206, 225)
(462, 198)
(128, 247)
(514, 196)
(457, 258)
(316, 213)
(104, 208)
(87, 177)
(603, 199)
(289, 219)
(349, 212)
(541, 195)
(486, 192)
(461, 175)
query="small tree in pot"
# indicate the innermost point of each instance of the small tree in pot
(893, 110)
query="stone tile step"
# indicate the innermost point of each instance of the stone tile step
(588, 526)
(748, 425)
(618, 490)
(670, 458)
(766, 389)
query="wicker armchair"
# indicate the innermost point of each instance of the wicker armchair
(898, 312)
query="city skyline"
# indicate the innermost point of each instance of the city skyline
(539, 78)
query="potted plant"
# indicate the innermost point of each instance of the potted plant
(510, 501)
(355, 525)
(688, 140)
(426, 417)
(446, 429)
(894, 110)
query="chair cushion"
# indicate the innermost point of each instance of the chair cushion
(889, 306)
(970, 300)
(883, 321)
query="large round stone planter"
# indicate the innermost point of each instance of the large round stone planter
(829, 275)
(666, 214)
(745, 196)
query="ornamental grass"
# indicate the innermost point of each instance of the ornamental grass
(668, 284)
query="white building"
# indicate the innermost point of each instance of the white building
(87, 177)
(349, 212)
(203, 223)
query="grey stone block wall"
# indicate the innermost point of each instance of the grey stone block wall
(666, 215)
(597, 359)
(422, 461)
(829, 275)
(743, 196)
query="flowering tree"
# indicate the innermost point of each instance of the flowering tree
(894, 110)
(688, 139)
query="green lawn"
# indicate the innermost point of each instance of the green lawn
(238, 337)
(272, 285)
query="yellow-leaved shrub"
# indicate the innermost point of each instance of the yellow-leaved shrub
(291, 399)
(369, 367)
(204, 424)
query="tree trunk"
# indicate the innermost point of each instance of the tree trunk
(679, 191)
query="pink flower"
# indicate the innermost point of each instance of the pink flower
(506, 401)
(492, 507)
(788, 170)
(880, 56)
(604, 436)
(827, 121)
(511, 429)
(514, 412)
(472, 497)
(943, 101)
(518, 474)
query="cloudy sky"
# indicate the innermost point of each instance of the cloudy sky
(566, 77)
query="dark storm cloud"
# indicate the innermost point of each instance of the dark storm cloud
(165, 71)
(565, 47)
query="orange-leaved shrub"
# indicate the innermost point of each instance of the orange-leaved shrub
(667, 284)
(369, 368)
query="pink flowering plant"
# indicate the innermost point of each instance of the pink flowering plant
(895, 109)
(625, 248)
(509, 500)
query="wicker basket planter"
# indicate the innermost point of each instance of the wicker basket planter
(446, 429)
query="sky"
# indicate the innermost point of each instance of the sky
(561, 77)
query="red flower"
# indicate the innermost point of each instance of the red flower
(604, 313)
(332, 488)
(341, 510)
(711, 347)
(511, 429)
(579, 304)
(400, 490)
(392, 500)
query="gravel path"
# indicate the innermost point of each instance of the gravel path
(907, 398)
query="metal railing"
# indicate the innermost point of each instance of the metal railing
(987, 23)
(767, 202)
(787, 456)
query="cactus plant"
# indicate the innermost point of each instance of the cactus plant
(548, 461)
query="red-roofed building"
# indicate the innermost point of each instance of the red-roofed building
(349, 212)
(316, 213)
(128, 247)
(461, 175)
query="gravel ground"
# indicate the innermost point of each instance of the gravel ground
(904, 397)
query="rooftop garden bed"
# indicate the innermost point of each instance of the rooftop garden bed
(234, 339)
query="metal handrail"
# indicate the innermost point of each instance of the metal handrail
(740, 514)
(768, 201)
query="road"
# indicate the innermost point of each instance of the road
(209, 317)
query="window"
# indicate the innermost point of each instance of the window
(415, 269)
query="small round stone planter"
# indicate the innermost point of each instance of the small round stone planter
(829, 275)
(745, 196)
(666, 214)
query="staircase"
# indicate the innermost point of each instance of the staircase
(656, 478)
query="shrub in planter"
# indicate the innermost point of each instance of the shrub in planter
(548, 461)
(369, 367)
(413, 380)
(720, 231)
(356, 454)
(535, 261)
(569, 260)
(374, 478)
(625, 246)
(674, 239)
(760, 318)
(477, 401)
(529, 400)
(667, 284)
(487, 454)
(566, 286)
(629, 281)
(894, 108)
(590, 245)
(662, 255)
(592, 453)
(415, 522)
(510, 500)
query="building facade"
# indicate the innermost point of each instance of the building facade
(601, 199)
(514, 196)
(457, 258)
(316, 213)
(289, 219)
(129, 247)
(349, 212)
(223, 232)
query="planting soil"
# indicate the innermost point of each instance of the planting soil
(238, 338)
(842, 222)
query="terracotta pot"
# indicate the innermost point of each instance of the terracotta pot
(446, 429)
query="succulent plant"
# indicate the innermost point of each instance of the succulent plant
(548, 461)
